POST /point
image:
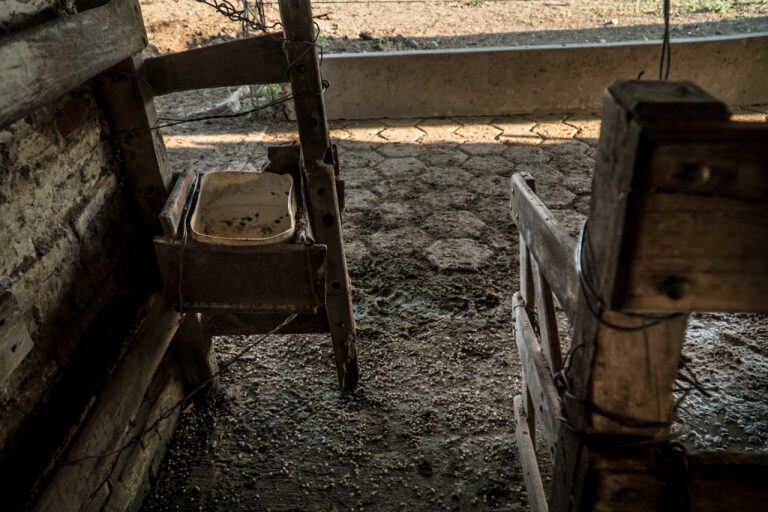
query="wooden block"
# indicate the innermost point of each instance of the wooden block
(44, 62)
(15, 341)
(537, 500)
(678, 212)
(253, 60)
(271, 278)
(170, 217)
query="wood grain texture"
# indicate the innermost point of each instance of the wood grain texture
(537, 500)
(538, 376)
(271, 278)
(104, 430)
(547, 320)
(230, 324)
(39, 64)
(170, 217)
(254, 60)
(552, 248)
(322, 192)
(700, 221)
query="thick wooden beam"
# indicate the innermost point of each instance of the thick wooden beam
(254, 60)
(321, 192)
(537, 500)
(552, 248)
(40, 64)
(133, 119)
(538, 376)
(85, 465)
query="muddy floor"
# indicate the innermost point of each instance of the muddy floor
(432, 256)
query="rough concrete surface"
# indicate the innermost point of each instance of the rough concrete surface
(431, 426)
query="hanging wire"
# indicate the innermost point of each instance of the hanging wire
(665, 61)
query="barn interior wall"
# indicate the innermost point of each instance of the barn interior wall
(66, 258)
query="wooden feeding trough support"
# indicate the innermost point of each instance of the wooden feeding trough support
(240, 283)
(678, 223)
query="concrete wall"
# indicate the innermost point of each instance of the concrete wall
(533, 79)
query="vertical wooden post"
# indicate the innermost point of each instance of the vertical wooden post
(194, 348)
(317, 161)
(133, 119)
(621, 378)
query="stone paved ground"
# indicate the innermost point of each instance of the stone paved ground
(432, 256)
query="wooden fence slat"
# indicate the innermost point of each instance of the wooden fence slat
(552, 247)
(254, 60)
(42, 63)
(537, 376)
(537, 500)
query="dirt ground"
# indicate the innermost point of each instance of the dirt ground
(353, 25)
(432, 254)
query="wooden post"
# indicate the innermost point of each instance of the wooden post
(317, 161)
(197, 358)
(133, 118)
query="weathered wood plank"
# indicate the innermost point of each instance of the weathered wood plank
(537, 500)
(15, 341)
(135, 468)
(133, 119)
(547, 319)
(269, 279)
(322, 193)
(700, 218)
(73, 483)
(254, 60)
(170, 217)
(41, 63)
(552, 248)
(538, 376)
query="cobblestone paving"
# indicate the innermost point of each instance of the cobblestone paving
(432, 254)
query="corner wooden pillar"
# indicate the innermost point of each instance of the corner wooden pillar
(321, 182)
(133, 118)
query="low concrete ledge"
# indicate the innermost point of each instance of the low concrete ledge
(530, 79)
